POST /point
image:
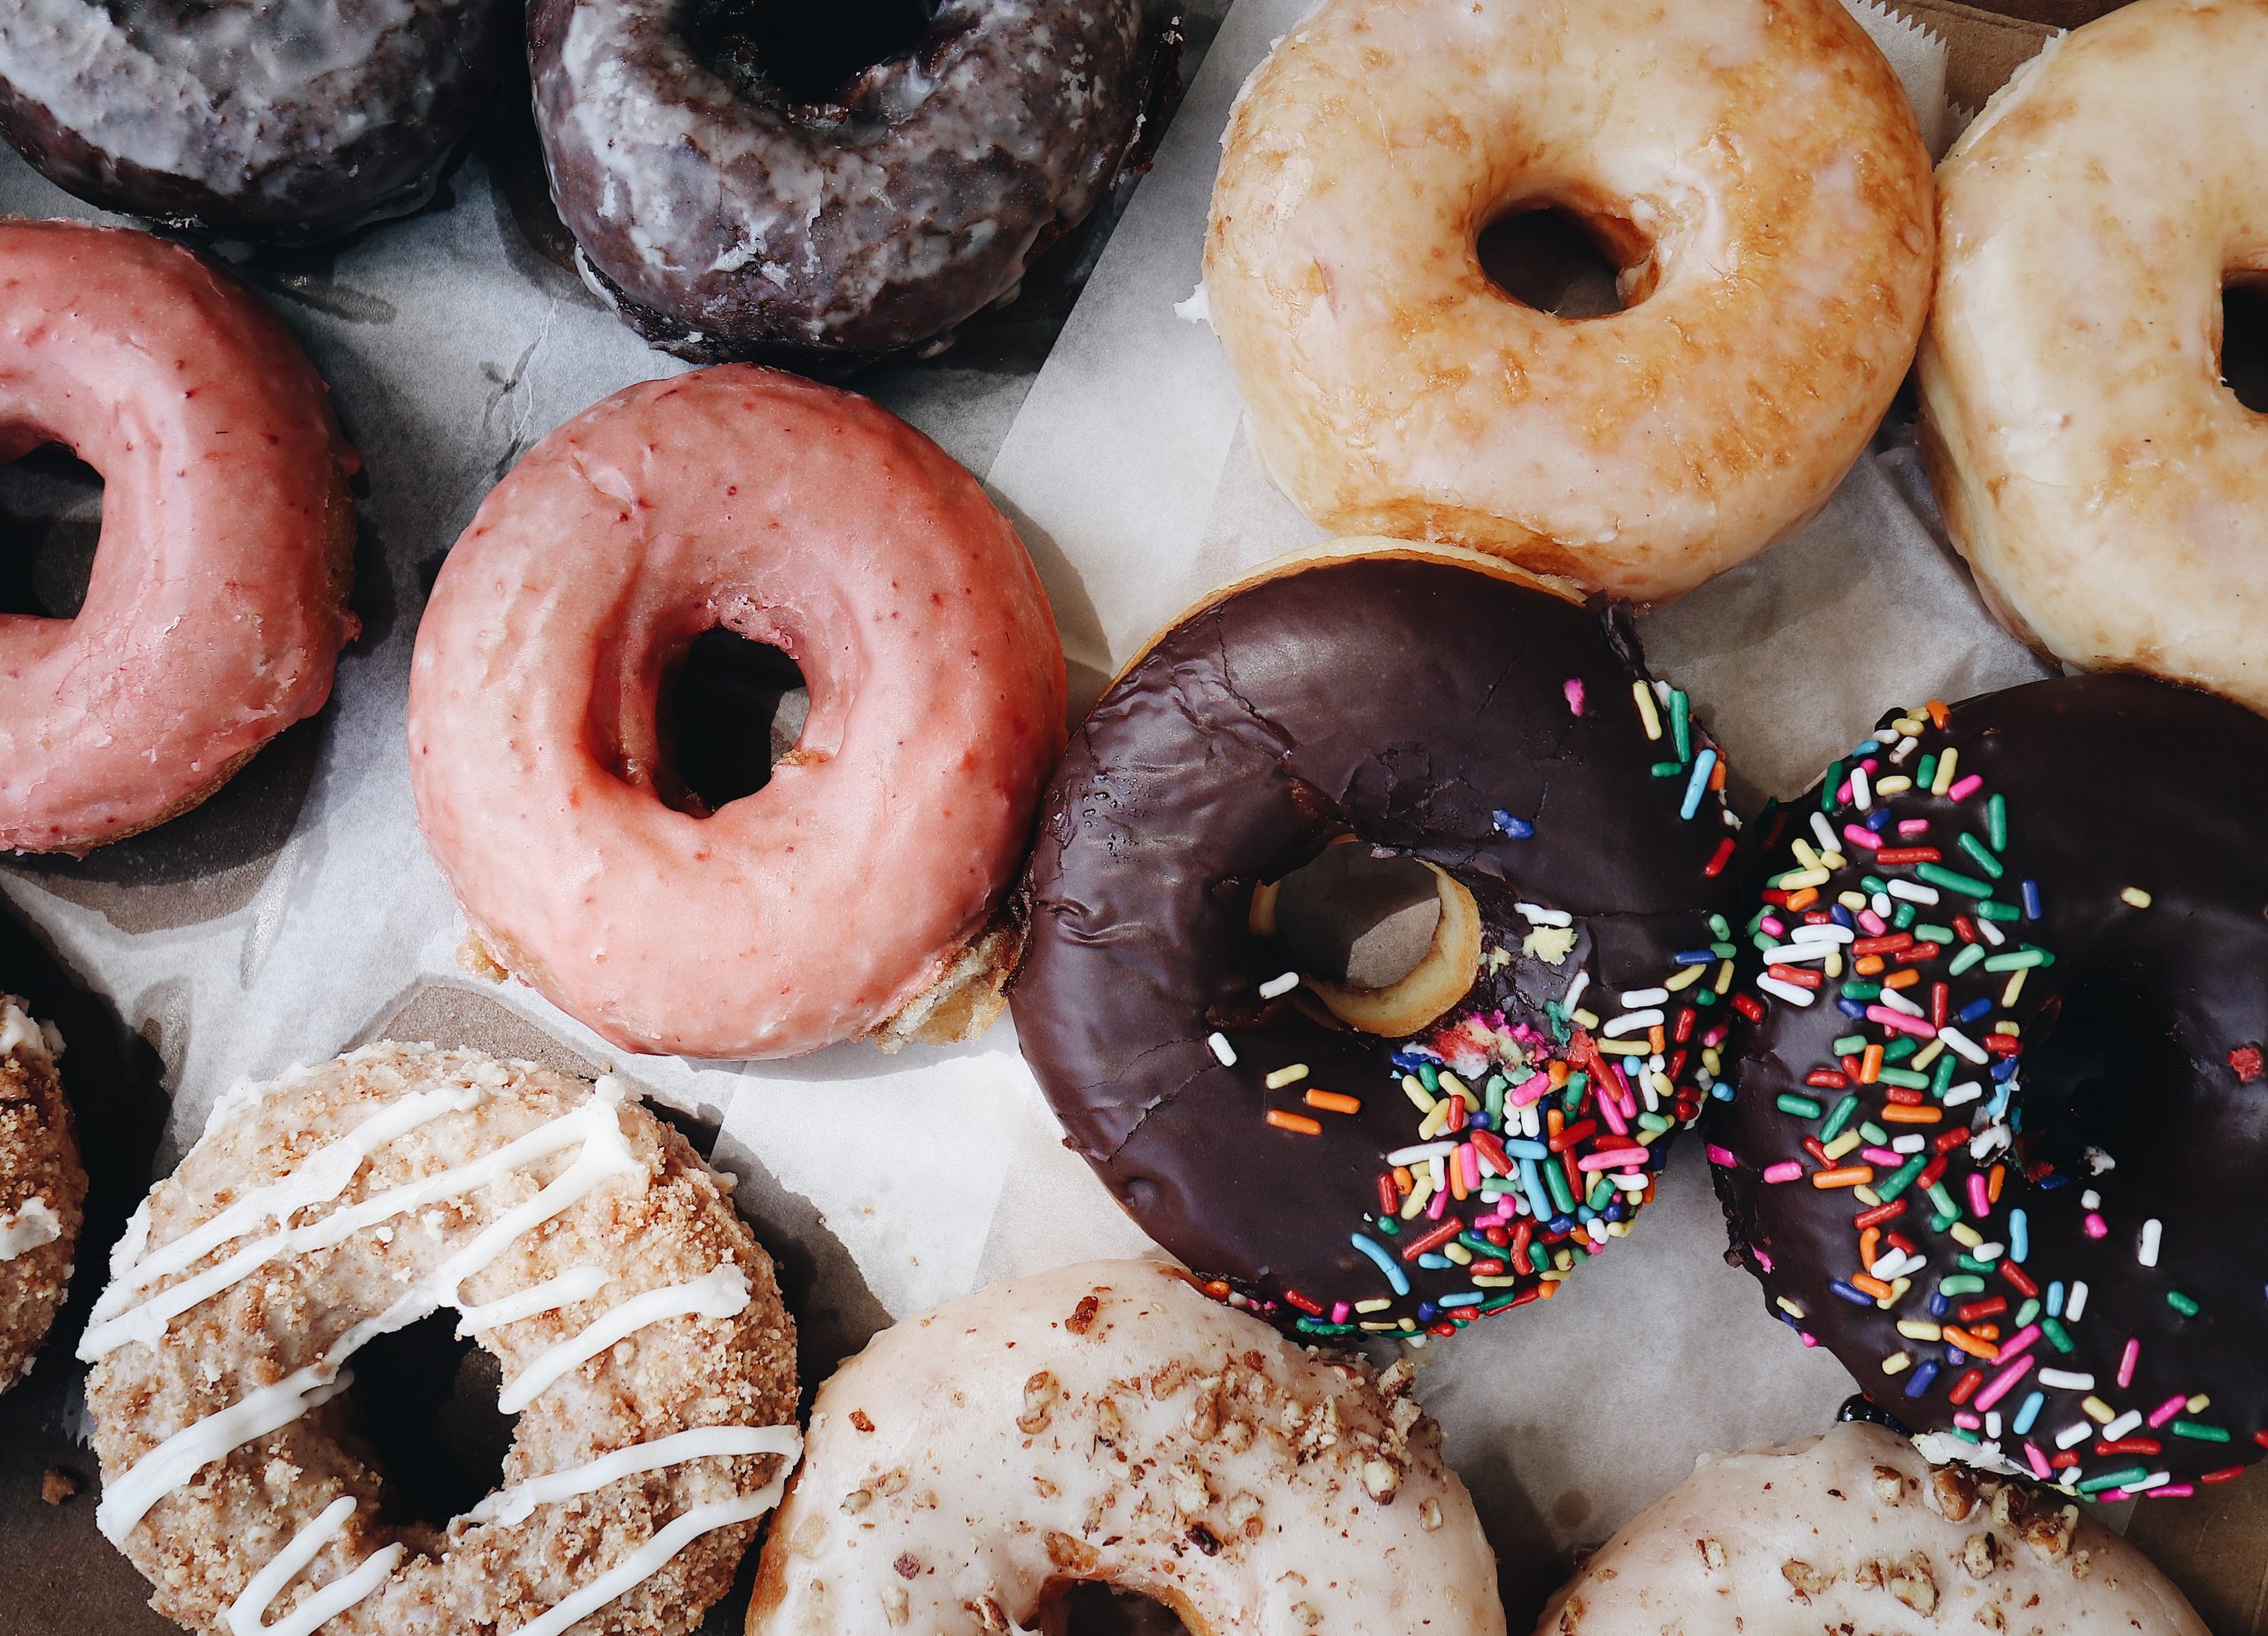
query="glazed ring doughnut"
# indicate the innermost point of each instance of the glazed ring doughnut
(1856, 1532)
(799, 516)
(292, 119)
(1424, 1142)
(724, 207)
(1107, 1424)
(43, 1188)
(1755, 172)
(218, 601)
(643, 1344)
(1999, 1123)
(2106, 486)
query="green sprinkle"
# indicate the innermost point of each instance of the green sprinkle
(1655, 1121)
(2199, 1429)
(1801, 1107)
(1983, 855)
(2057, 1335)
(1390, 1227)
(2114, 1479)
(1873, 1133)
(1902, 1179)
(1953, 880)
(1704, 997)
(1940, 1221)
(1959, 1285)
(1681, 723)
(1967, 958)
(2017, 959)
(1977, 1263)
(1943, 1200)
(1926, 774)
(1723, 951)
(1839, 1118)
(1429, 1076)
(1905, 1078)
(1992, 911)
(2026, 1313)
(1668, 769)
(1554, 1176)
(1941, 1076)
(1931, 932)
(2181, 1303)
(1873, 883)
(1716, 924)
(1861, 990)
(1900, 1049)
(1902, 917)
(1849, 1045)
(1996, 822)
(1492, 1096)
(1826, 802)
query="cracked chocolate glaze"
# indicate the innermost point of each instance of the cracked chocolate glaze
(2139, 1040)
(293, 121)
(722, 220)
(1414, 702)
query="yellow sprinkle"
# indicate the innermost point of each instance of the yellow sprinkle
(1844, 1143)
(1896, 784)
(1647, 713)
(2199, 1404)
(1833, 860)
(1616, 1230)
(1687, 976)
(1414, 1205)
(2016, 987)
(1920, 1329)
(1662, 1088)
(1908, 726)
(1803, 878)
(1942, 782)
(1584, 1018)
(1285, 1076)
(1897, 1363)
(1436, 1121)
(1833, 964)
(1495, 1281)
(1898, 1288)
(1457, 1088)
(1964, 1234)
(1414, 1089)
(1376, 1327)
(1377, 1303)
(1724, 983)
(1794, 1310)
(1458, 1253)
(1851, 901)
(2136, 897)
(1709, 1060)
(1927, 1055)
(1806, 854)
(2097, 1410)
(1866, 1196)
(1623, 1047)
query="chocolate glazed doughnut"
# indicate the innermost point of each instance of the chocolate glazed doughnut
(1434, 1148)
(740, 185)
(2006, 1164)
(294, 120)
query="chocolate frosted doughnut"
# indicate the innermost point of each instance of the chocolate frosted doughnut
(740, 186)
(1341, 1160)
(289, 120)
(2002, 1118)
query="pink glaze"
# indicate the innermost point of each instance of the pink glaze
(796, 515)
(217, 605)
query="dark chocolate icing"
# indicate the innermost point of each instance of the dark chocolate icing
(1423, 706)
(2140, 1039)
(294, 120)
(723, 218)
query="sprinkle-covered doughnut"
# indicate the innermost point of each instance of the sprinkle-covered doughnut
(43, 1188)
(580, 1241)
(1349, 1160)
(2003, 1114)
(1107, 1424)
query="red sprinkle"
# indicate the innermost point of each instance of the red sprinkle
(1882, 945)
(2131, 1446)
(1389, 1202)
(2021, 1279)
(1909, 855)
(1827, 1079)
(1880, 1214)
(2226, 1474)
(1432, 1238)
(1303, 1304)
(2246, 1060)
(1723, 856)
(1749, 1006)
(1966, 1387)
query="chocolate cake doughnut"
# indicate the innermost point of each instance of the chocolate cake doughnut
(286, 119)
(2003, 1112)
(749, 182)
(1361, 1151)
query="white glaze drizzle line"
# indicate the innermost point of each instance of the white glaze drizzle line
(577, 1284)
(649, 1559)
(188, 1451)
(29, 1228)
(513, 1506)
(318, 1609)
(723, 1293)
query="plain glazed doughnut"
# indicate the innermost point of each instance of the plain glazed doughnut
(1856, 1532)
(1107, 1424)
(580, 1240)
(2001, 1122)
(722, 217)
(2110, 491)
(218, 602)
(43, 1188)
(292, 119)
(1756, 170)
(1417, 1153)
(857, 885)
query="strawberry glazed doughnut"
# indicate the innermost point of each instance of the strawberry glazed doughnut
(1751, 165)
(218, 602)
(851, 892)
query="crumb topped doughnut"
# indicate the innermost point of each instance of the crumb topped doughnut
(642, 1342)
(2109, 489)
(1107, 1424)
(43, 1188)
(1753, 164)
(1856, 1532)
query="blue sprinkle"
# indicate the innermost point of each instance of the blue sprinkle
(1924, 1377)
(1696, 784)
(1408, 1062)
(2031, 900)
(1844, 917)
(1693, 956)
(1395, 1279)
(1585, 1215)
(1977, 1011)
(1560, 1224)
(2027, 1414)
(1999, 1105)
(1520, 1147)
(2019, 1236)
(2048, 1183)
(1939, 1305)
(2005, 1069)
(1462, 1297)
(1722, 1091)
(1481, 1121)
(2055, 1299)
(1852, 1008)
(1955, 1357)
(1614, 1213)
(1434, 1262)
(1518, 829)
(1857, 1298)
(1878, 820)
(1428, 1311)
(1863, 748)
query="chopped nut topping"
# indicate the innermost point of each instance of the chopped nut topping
(1040, 1393)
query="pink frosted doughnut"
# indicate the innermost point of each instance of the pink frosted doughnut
(218, 602)
(854, 887)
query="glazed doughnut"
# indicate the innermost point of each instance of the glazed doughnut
(291, 119)
(218, 601)
(43, 1188)
(643, 1344)
(1417, 1151)
(1107, 1424)
(723, 215)
(1756, 173)
(2000, 1119)
(799, 516)
(2110, 491)
(1856, 1532)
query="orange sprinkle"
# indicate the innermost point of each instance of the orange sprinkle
(1849, 1175)
(1332, 1101)
(1403, 1181)
(1867, 965)
(1992, 1183)
(1299, 1124)
(1717, 774)
(1898, 1113)
(1797, 902)
(1905, 978)
(1975, 1345)
(1549, 1288)
(1871, 1066)
(1557, 1074)
(1655, 1038)
(1873, 1286)
(1938, 712)
(1870, 1242)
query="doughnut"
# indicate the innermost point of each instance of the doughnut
(1107, 1424)
(1440, 1139)
(217, 604)
(2000, 1119)
(1856, 1532)
(1751, 166)
(739, 187)
(2110, 491)
(282, 119)
(43, 1188)
(580, 1241)
(854, 891)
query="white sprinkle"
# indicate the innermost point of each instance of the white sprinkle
(1898, 1002)
(1276, 986)
(1538, 915)
(2121, 1426)
(2156, 1479)
(2066, 1380)
(1960, 1043)
(2153, 1233)
(1221, 1049)
(1967, 1091)
(1913, 892)
(1902, 749)
(1990, 932)
(1825, 831)
(1644, 997)
(1419, 1154)
(2090, 1200)
(1821, 932)
(1799, 954)
(1909, 1144)
(2077, 1432)
(1575, 992)
(1787, 991)
(2076, 1303)
(1633, 1022)
(1861, 797)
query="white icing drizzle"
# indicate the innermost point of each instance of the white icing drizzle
(27, 1229)
(245, 1613)
(644, 1564)
(722, 1293)
(512, 1505)
(188, 1451)
(577, 1284)
(24, 1039)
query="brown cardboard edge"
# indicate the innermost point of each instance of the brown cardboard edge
(1983, 48)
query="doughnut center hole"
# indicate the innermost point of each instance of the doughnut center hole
(730, 709)
(1088, 1609)
(1568, 263)
(1359, 915)
(50, 522)
(424, 1403)
(809, 55)
(2244, 339)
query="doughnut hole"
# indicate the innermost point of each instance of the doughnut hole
(1388, 942)
(730, 709)
(422, 1408)
(1086, 1609)
(50, 522)
(1570, 261)
(809, 56)
(2244, 338)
